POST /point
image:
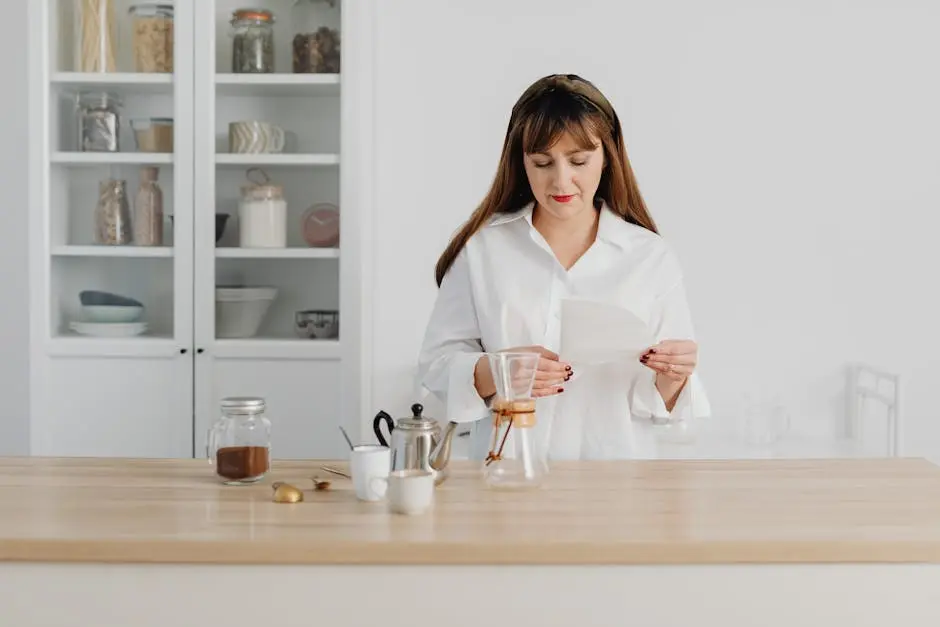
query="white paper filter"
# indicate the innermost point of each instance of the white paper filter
(595, 333)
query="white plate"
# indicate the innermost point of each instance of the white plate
(109, 329)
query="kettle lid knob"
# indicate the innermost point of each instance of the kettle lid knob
(416, 409)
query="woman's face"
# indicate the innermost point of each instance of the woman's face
(564, 179)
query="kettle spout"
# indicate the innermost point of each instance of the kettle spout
(440, 456)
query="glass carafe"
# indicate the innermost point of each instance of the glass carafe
(516, 459)
(239, 443)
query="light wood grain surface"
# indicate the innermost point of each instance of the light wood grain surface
(653, 512)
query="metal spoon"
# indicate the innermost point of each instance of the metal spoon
(346, 435)
(334, 471)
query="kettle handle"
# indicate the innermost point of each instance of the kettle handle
(377, 427)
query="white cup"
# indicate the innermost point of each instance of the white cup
(409, 492)
(368, 462)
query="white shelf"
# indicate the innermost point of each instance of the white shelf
(325, 159)
(112, 251)
(142, 346)
(112, 158)
(118, 82)
(265, 348)
(277, 253)
(305, 85)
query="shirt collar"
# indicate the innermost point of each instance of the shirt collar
(610, 227)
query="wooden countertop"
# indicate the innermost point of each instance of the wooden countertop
(654, 512)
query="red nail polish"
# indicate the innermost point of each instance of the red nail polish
(560, 390)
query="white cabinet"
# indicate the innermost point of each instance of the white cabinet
(155, 394)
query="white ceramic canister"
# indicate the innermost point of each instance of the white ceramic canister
(262, 216)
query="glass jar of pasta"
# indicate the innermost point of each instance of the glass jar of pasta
(152, 26)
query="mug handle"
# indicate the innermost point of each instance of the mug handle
(376, 481)
(377, 427)
(279, 139)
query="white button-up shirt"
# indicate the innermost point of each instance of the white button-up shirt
(505, 289)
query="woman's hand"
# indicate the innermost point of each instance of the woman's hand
(550, 374)
(674, 360)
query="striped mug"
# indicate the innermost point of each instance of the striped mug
(255, 137)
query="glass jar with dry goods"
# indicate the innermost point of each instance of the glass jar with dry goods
(96, 36)
(153, 134)
(152, 26)
(98, 121)
(262, 213)
(315, 45)
(148, 208)
(239, 443)
(112, 215)
(252, 41)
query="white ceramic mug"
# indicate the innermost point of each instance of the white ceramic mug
(409, 492)
(368, 462)
(254, 137)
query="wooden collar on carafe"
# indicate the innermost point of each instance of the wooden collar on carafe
(521, 412)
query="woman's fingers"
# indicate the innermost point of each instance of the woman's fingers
(673, 358)
(547, 391)
(550, 373)
(674, 347)
(688, 359)
(673, 370)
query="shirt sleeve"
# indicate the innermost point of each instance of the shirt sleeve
(671, 320)
(452, 346)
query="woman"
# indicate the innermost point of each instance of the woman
(563, 219)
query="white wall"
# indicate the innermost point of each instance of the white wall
(14, 294)
(788, 150)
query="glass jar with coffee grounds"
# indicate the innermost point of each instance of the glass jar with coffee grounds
(239, 443)
(315, 46)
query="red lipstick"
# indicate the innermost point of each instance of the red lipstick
(563, 198)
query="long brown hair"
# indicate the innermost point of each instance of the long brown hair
(549, 107)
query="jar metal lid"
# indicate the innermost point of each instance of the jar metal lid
(144, 122)
(243, 404)
(151, 9)
(97, 99)
(252, 15)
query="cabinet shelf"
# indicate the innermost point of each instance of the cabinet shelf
(121, 83)
(277, 84)
(277, 253)
(266, 348)
(111, 251)
(323, 159)
(112, 158)
(143, 346)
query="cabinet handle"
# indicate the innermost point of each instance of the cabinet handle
(200, 350)
(182, 351)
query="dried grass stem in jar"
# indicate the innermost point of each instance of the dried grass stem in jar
(153, 37)
(252, 41)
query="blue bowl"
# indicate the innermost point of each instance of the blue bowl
(95, 298)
